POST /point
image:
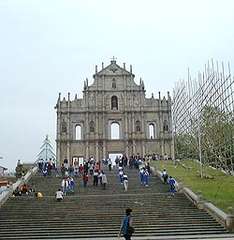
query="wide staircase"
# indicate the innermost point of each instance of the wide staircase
(94, 213)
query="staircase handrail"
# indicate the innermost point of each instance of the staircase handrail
(24, 179)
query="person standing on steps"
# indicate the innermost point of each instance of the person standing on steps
(172, 183)
(125, 182)
(64, 185)
(95, 178)
(104, 180)
(148, 168)
(164, 176)
(85, 179)
(109, 164)
(126, 228)
(121, 175)
(141, 173)
(146, 178)
(100, 177)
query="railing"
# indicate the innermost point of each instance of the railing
(8, 192)
(227, 220)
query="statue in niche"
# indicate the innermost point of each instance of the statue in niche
(92, 99)
(114, 103)
(113, 83)
(129, 101)
(64, 126)
(136, 100)
(165, 126)
(91, 126)
(138, 126)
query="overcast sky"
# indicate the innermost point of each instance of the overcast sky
(47, 47)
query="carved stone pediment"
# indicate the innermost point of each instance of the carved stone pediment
(113, 69)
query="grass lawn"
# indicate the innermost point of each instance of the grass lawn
(219, 190)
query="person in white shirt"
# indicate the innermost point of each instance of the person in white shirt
(100, 177)
(121, 175)
(64, 185)
(104, 180)
(59, 195)
(142, 175)
(164, 176)
(125, 182)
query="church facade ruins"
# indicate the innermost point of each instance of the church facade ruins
(114, 116)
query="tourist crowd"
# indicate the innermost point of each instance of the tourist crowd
(91, 172)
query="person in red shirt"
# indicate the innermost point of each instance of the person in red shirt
(81, 170)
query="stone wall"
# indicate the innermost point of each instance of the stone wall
(113, 97)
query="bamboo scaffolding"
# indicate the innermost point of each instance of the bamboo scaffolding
(203, 117)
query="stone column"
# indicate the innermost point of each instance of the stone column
(58, 143)
(86, 150)
(126, 124)
(58, 160)
(97, 131)
(133, 125)
(162, 148)
(104, 150)
(104, 134)
(68, 129)
(143, 137)
(161, 125)
(143, 148)
(126, 134)
(97, 152)
(86, 135)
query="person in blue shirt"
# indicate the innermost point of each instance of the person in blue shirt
(146, 178)
(142, 175)
(126, 228)
(172, 182)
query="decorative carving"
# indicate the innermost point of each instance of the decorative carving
(165, 126)
(92, 99)
(114, 97)
(113, 69)
(91, 126)
(114, 103)
(136, 100)
(113, 83)
(138, 126)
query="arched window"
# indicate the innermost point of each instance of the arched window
(114, 103)
(138, 126)
(115, 130)
(78, 132)
(165, 126)
(113, 83)
(91, 126)
(151, 131)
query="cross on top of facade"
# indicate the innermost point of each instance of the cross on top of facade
(113, 59)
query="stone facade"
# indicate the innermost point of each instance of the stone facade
(85, 127)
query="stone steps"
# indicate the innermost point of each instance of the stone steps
(112, 187)
(111, 235)
(96, 213)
